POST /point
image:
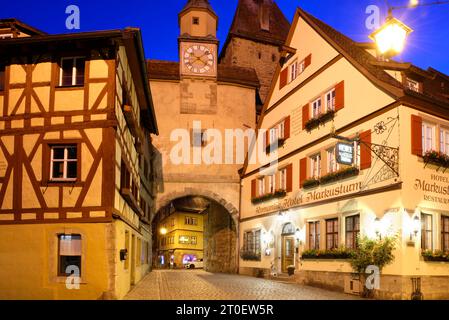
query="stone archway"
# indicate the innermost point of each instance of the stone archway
(220, 229)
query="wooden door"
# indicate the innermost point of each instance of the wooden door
(288, 252)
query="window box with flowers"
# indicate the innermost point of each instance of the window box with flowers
(319, 120)
(339, 175)
(311, 183)
(435, 256)
(436, 158)
(335, 254)
(250, 256)
(277, 194)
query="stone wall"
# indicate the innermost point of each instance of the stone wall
(262, 57)
(220, 241)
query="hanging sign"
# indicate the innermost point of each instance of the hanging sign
(345, 153)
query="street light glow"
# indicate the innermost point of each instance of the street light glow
(390, 38)
(163, 231)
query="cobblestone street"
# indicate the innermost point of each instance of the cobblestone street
(201, 285)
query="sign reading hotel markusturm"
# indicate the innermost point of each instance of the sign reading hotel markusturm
(345, 153)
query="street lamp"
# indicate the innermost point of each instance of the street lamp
(163, 231)
(391, 37)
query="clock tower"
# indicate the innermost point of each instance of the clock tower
(198, 44)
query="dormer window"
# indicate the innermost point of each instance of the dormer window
(195, 20)
(413, 85)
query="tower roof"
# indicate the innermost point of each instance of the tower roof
(260, 20)
(198, 4)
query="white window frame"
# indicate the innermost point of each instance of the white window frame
(301, 67)
(283, 179)
(74, 70)
(293, 70)
(66, 160)
(315, 166)
(425, 136)
(330, 103)
(261, 185)
(444, 140)
(316, 108)
(332, 165)
(273, 135)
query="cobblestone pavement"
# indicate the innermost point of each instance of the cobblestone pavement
(201, 285)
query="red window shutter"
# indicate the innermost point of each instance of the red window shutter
(305, 115)
(302, 171)
(283, 78)
(253, 188)
(287, 128)
(308, 61)
(340, 96)
(417, 135)
(289, 178)
(365, 150)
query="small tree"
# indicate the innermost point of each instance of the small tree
(372, 252)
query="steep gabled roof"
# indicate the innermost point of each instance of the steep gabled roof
(198, 4)
(246, 23)
(19, 25)
(169, 70)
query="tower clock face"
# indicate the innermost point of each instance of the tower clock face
(199, 59)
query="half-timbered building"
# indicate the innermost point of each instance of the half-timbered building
(76, 168)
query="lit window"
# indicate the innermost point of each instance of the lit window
(332, 234)
(352, 231)
(314, 235)
(191, 221)
(445, 233)
(428, 137)
(193, 240)
(64, 163)
(184, 239)
(315, 166)
(283, 179)
(69, 254)
(72, 72)
(332, 165)
(444, 141)
(271, 183)
(261, 182)
(316, 108)
(251, 242)
(413, 85)
(426, 232)
(330, 100)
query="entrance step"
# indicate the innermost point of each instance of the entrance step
(284, 278)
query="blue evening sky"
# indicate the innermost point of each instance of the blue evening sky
(427, 46)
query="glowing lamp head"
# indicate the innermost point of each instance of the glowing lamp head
(163, 231)
(416, 225)
(390, 38)
(377, 226)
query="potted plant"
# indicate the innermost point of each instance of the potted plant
(291, 270)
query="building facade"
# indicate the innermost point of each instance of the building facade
(201, 98)
(181, 239)
(302, 209)
(76, 192)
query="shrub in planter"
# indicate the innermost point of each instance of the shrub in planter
(340, 253)
(437, 256)
(310, 183)
(436, 158)
(275, 145)
(269, 196)
(249, 256)
(320, 120)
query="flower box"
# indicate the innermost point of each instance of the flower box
(436, 158)
(336, 254)
(310, 183)
(339, 175)
(435, 256)
(266, 197)
(250, 256)
(320, 120)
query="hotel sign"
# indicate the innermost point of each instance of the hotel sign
(345, 153)
(312, 196)
(435, 190)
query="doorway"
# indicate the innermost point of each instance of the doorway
(288, 247)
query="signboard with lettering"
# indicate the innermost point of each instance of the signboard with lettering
(345, 153)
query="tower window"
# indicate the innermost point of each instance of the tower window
(260, 55)
(196, 20)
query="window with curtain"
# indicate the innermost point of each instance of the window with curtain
(69, 254)
(352, 231)
(314, 235)
(332, 234)
(426, 232)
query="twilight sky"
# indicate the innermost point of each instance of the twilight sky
(427, 46)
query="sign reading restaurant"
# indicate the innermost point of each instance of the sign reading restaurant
(311, 196)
